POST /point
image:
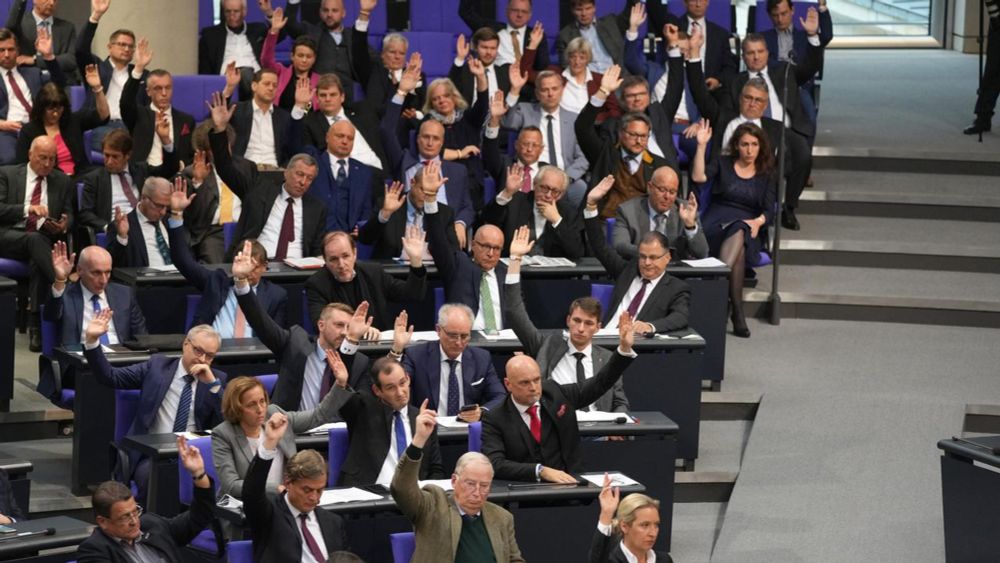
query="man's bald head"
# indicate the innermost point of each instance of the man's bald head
(42, 155)
(523, 380)
(487, 246)
(340, 139)
(662, 189)
(94, 268)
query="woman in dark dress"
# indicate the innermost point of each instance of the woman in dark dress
(743, 195)
(630, 536)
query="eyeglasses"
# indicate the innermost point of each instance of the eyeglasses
(200, 352)
(457, 336)
(542, 189)
(488, 247)
(753, 99)
(126, 518)
(483, 487)
(636, 136)
(636, 95)
(123, 45)
(159, 206)
(648, 258)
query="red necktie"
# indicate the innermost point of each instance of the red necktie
(633, 307)
(127, 188)
(17, 91)
(287, 234)
(536, 423)
(310, 540)
(36, 199)
(526, 184)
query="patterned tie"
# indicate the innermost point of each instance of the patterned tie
(184, 406)
(342, 172)
(18, 93)
(127, 189)
(581, 372)
(633, 307)
(314, 549)
(515, 40)
(287, 234)
(551, 140)
(526, 183)
(326, 383)
(453, 405)
(660, 223)
(226, 207)
(161, 243)
(31, 225)
(486, 303)
(96, 300)
(536, 423)
(400, 433)
(239, 324)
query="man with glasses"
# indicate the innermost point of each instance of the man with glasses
(486, 531)
(661, 211)
(720, 66)
(175, 394)
(42, 19)
(125, 532)
(141, 239)
(657, 301)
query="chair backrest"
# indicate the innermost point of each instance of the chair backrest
(602, 292)
(339, 441)
(268, 381)
(403, 544)
(50, 334)
(79, 195)
(101, 239)
(719, 12)
(610, 225)
(191, 91)
(476, 436)
(307, 324)
(438, 300)
(228, 232)
(365, 251)
(193, 300)
(239, 551)
(126, 405)
(185, 486)
(14, 269)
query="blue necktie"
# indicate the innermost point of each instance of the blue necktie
(341, 172)
(184, 406)
(452, 388)
(400, 433)
(96, 300)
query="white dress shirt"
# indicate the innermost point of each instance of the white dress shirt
(165, 416)
(391, 458)
(773, 96)
(312, 523)
(565, 370)
(29, 187)
(704, 31)
(155, 157)
(312, 379)
(149, 234)
(480, 322)
(118, 197)
(362, 151)
(261, 146)
(88, 312)
(523, 411)
(575, 96)
(505, 51)
(238, 49)
(119, 76)
(272, 228)
(15, 110)
(443, 386)
(633, 289)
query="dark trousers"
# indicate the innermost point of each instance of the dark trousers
(987, 99)
(35, 248)
(798, 166)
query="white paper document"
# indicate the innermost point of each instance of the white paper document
(443, 483)
(543, 262)
(306, 263)
(418, 336)
(191, 435)
(163, 269)
(451, 422)
(324, 428)
(709, 262)
(691, 336)
(505, 334)
(352, 494)
(617, 479)
(599, 416)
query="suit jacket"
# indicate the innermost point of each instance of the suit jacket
(480, 383)
(13, 181)
(362, 182)
(292, 348)
(469, 11)
(378, 82)
(509, 444)
(666, 308)
(386, 238)
(457, 189)
(8, 504)
(369, 425)
(133, 254)
(607, 549)
(67, 310)
(436, 521)
(330, 57)
(287, 131)
(362, 116)
(465, 81)
(260, 198)
(63, 37)
(95, 206)
(459, 274)
(661, 113)
(232, 454)
(34, 78)
(212, 45)
(720, 62)
(141, 123)
(377, 288)
(801, 73)
(105, 68)
(274, 530)
(71, 128)
(548, 348)
(167, 536)
(800, 40)
(611, 30)
(525, 113)
(215, 284)
(199, 215)
(632, 223)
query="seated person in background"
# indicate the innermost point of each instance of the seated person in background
(463, 76)
(125, 533)
(532, 194)
(437, 368)
(303, 59)
(381, 77)
(656, 300)
(721, 66)
(332, 108)
(397, 210)
(660, 211)
(141, 238)
(284, 218)
(636, 523)
(347, 280)
(564, 360)
(476, 281)
(29, 80)
(236, 440)
(218, 305)
(287, 526)
(605, 34)
(581, 82)
(346, 186)
(175, 394)
(743, 194)
(117, 184)
(487, 530)
(9, 510)
(232, 40)
(381, 426)
(303, 376)
(513, 34)
(266, 133)
(218, 202)
(533, 434)
(628, 159)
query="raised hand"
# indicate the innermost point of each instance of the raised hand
(337, 367)
(265, 6)
(97, 326)
(811, 23)
(278, 21)
(515, 178)
(671, 32)
(367, 5)
(360, 323)
(274, 429)
(190, 457)
(461, 235)
(179, 199)
(62, 260)
(411, 74)
(517, 78)
(163, 127)
(413, 244)
(98, 8)
(303, 92)
(425, 423)
(43, 44)
(92, 77)
(476, 67)
(609, 499)
(121, 223)
(612, 79)
(143, 54)
(199, 168)
(232, 77)
(243, 262)
(498, 108)
(394, 199)
(689, 211)
(598, 192)
(521, 244)
(695, 42)
(704, 132)
(636, 17)
(431, 180)
(461, 48)
(221, 111)
(626, 332)
(755, 225)
(402, 332)
(535, 39)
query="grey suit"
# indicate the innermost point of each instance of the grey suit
(549, 346)
(232, 454)
(63, 38)
(525, 113)
(632, 223)
(610, 30)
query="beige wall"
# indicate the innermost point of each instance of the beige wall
(965, 27)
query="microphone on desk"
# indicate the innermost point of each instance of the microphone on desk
(18, 535)
(621, 420)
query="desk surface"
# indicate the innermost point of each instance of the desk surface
(983, 455)
(7, 284)
(16, 466)
(69, 531)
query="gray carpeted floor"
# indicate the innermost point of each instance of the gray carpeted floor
(925, 284)
(852, 181)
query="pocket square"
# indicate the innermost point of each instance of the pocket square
(561, 411)
(478, 381)
(185, 130)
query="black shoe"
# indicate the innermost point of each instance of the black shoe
(788, 219)
(978, 126)
(34, 339)
(740, 328)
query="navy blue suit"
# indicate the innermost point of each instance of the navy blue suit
(480, 383)
(214, 285)
(361, 184)
(67, 310)
(800, 40)
(105, 68)
(132, 255)
(458, 187)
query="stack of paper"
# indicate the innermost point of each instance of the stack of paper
(451, 422)
(352, 494)
(418, 336)
(324, 428)
(543, 262)
(709, 262)
(306, 263)
(443, 483)
(617, 479)
(505, 334)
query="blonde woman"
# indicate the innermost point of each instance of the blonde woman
(629, 533)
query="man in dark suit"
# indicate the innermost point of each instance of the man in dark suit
(397, 210)
(533, 434)
(15, 109)
(288, 527)
(381, 426)
(605, 34)
(235, 37)
(660, 211)
(362, 115)
(436, 368)
(380, 77)
(484, 43)
(140, 238)
(628, 158)
(347, 280)
(143, 121)
(655, 300)
(513, 35)
(303, 375)
(989, 85)
(564, 359)
(267, 134)
(126, 534)
(62, 32)
(9, 509)
(36, 209)
(345, 185)
(720, 65)
(175, 394)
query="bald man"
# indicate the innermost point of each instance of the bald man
(36, 209)
(344, 184)
(141, 238)
(660, 210)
